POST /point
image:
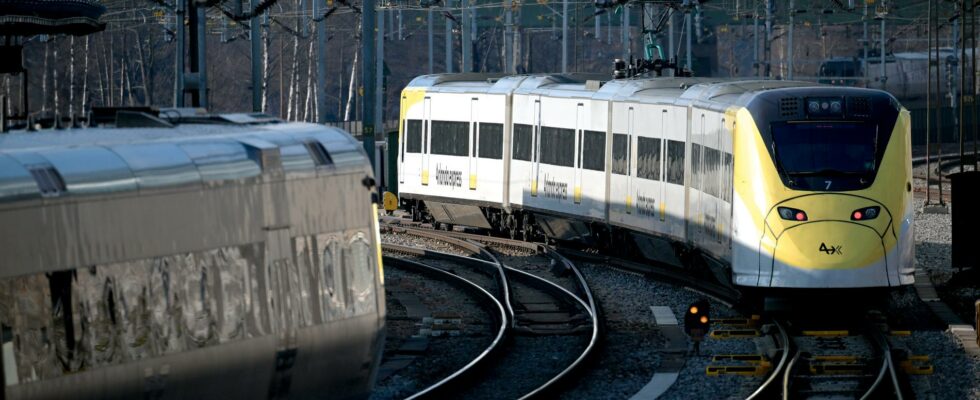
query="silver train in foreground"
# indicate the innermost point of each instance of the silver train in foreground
(210, 256)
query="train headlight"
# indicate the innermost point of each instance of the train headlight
(791, 214)
(866, 213)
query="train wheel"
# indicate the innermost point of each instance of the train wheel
(436, 225)
(449, 227)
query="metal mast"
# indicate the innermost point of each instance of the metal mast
(368, 23)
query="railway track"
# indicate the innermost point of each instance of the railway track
(544, 320)
(835, 364)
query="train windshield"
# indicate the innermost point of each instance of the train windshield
(825, 149)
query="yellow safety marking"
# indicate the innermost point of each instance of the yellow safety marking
(390, 201)
(742, 322)
(425, 177)
(836, 369)
(629, 204)
(377, 242)
(534, 188)
(900, 333)
(743, 370)
(835, 358)
(749, 358)
(734, 333)
(578, 194)
(472, 181)
(663, 211)
(838, 333)
(919, 367)
(920, 358)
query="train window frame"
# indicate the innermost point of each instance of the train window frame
(675, 165)
(648, 165)
(523, 141)
(593, 150)
(491, 140)
(557, 146)
(413, 137)
(620, 154)
(361, 273)
(450, 138)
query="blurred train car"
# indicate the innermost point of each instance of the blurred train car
(185, 255)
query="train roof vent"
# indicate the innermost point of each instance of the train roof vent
(318, 153)
(859, 106)
(49, 181)
(789, 107)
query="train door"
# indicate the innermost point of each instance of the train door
(283, 325)
(535, 148)
(401, 151)
(579, 135)
(720, 176)
(426, 125)
(631, 157)
(663, 165)
(474, 139)
(699, 176)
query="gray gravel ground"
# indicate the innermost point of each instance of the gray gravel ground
(445, 354)
(629, 354)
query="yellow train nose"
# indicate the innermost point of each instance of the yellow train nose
(829, 245)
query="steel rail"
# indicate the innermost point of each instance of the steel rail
(588, 303)
(483, 357)
(784, 340)
(887, 367)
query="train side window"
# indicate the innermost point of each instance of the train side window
(491, 141)
(333, 279)
(675, 162)
(413, 138)
(362, 285)
(522, 142)
(648, 158)
(620, 150)
(727, 195)
(696, 166)
(712, 159)
(557, 146)
(594, 150)
(450, 138)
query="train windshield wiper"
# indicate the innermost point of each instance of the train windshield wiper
(828, 172)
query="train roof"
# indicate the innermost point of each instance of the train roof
(190, 151)
(717, 92)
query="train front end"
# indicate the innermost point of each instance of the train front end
(823, 190)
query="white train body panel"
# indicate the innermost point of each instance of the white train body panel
(688, 160)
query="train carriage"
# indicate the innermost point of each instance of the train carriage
(188, 256)
(788, 184)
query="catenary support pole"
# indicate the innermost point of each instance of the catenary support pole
(509, 37)
(962, 96)
(202, 55)
(466, 41)
(626, 32)
(379, 89)
(564, 36)
(939, 102)
(368, 23)
(428, 27)
(864, 45)
(179, 54)
(929, 29)
(789, 40)
(755, 39)
(884, 77)
(689, 28)
(321, 62)
(449, 41)
(255, 31)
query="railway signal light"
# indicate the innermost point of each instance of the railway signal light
(697, 319)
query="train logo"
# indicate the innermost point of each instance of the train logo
(831, 250)
(448, 177)
(555, 189)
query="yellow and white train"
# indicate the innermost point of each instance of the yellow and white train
(792, 185)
